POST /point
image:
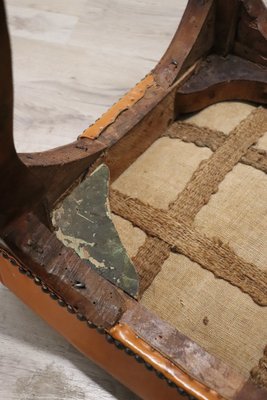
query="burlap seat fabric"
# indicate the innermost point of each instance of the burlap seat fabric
(197, 205)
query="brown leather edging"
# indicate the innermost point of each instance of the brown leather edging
(78, 334)
(121, 335)
(86, 337)
(127, 101)
(125, 335)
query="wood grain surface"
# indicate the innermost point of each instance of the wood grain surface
(72, 60)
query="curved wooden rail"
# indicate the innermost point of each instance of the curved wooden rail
(14, 198)
(220, 79)
(190, 76)
(208, 28)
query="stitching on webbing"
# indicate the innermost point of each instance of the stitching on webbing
(211, 172)
(166, 233)
(211, 254)
(149, 260)
(205, 137)
(150, 255)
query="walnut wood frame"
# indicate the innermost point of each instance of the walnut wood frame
(207, 61)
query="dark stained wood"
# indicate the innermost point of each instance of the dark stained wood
(122, 142)
(257, 11)
(101, 303)
(249, 34)
(6, 92)
(189, 356)
(19, 188)
(248, 53)
(246, 91)
(123, 153)
(136, 128)
(119, 145)
(251, 37)
(222, 78)
(60, 174)
(208, 26)
(227, 13)
(60, 268)
(58, 168)
(193, 39)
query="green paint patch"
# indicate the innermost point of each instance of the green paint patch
(83, 222)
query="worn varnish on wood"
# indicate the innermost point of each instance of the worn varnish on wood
(197, 70)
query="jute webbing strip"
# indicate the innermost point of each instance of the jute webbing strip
(211, 254)
(149, 253)
(259, 373)
(149, 260)
(201, 136)
(211, 172)
(205, 137)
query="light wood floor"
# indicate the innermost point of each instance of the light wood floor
(72, 59)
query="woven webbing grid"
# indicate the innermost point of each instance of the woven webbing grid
(173, 230)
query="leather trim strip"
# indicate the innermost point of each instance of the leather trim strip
(77, 332)
(128, 338)
(87, 338)
(127, 101)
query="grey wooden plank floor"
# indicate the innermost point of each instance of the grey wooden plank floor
(72, 59)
